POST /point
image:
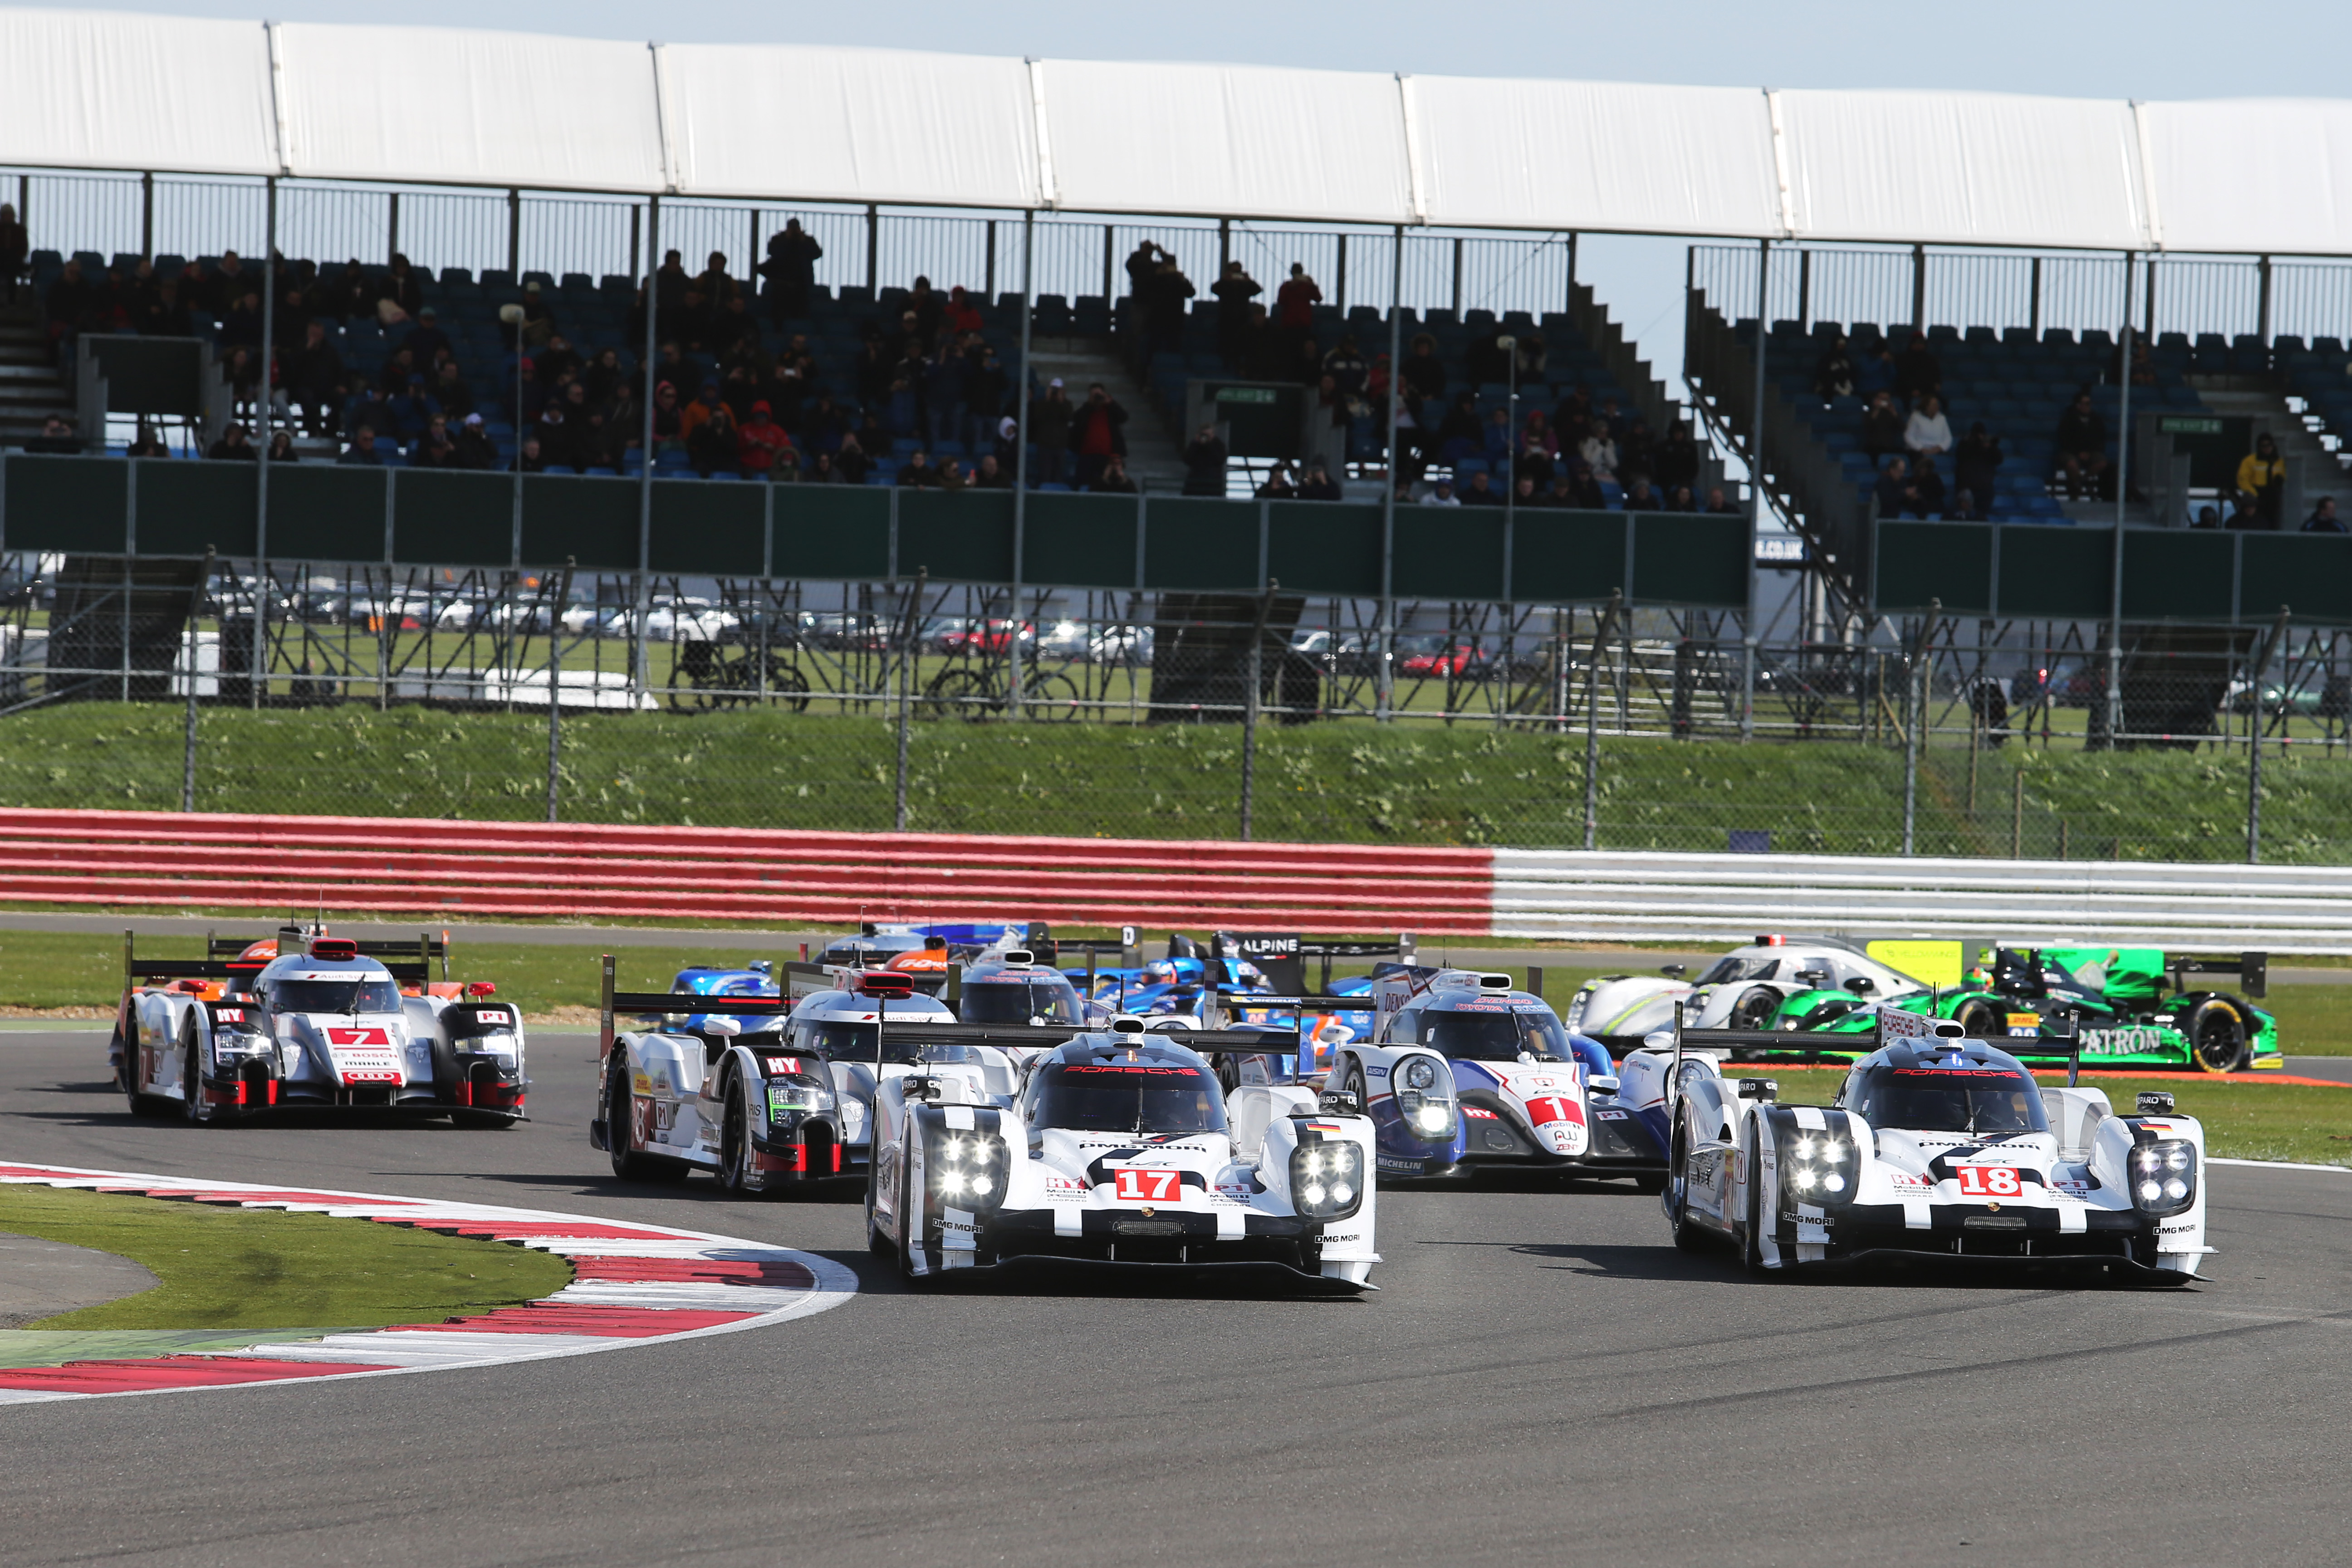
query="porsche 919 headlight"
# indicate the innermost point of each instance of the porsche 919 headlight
(1818, 1168)
(1424, 1097)
(786, 1097)
(2164, 1176)
(967, 1169)
(1326, 1179)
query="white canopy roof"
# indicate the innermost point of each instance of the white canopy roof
(102, 90)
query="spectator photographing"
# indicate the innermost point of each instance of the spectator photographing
(1883, 426)
(1976, 463)
(1928, 433)
(1204, 463)
(2082, 443)
(789, 270)
(1834, 373)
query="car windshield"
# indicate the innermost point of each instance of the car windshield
(1731, 971)
(852, 1042)
(1013, 1002)
(1493, 1033)
(1949, 1099)
(353, 995)
(1118, 1097)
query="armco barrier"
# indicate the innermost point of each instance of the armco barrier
(612, 872)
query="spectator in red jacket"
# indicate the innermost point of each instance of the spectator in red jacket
(763, 446)
(1095, 435)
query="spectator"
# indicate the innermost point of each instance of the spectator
(1237, 319)
(1898, 496)
(400, 297)
(315, 379)
(1560, 496)
(1094, 434)
(1295, 302)
(1875, 373)
(1611, 420)
(822, 472)
(924, 310)
(1676, 463)
(73, 305)
(15, 245)
(1928, 433)
(1883, 426)
(281, 447)
(1720, 505)
(1600, 453)
(58, 436)
(528, 458)
(1495, 437)
(764, 448)
(436, 451)
(695, 415)
(1583, 488)
(1113, 481)
(1834, 373)
(2208, 516)
(225, 286)
(917, 473)
(362, 453)
(2261, 474)
(1534, 462)
(366, 406)
(963, 317)
(1976, 463)
(1523, 492)
(1964, 506)
(1640, 497)
(2323, 518)
(849, 459)
(1637, 455)
(2143, 365)
(1442, 494)
(450, 392)
(412, 409)
(944, 379)
(1481, 492)
(243, 373)
(985, 385)
(712, 443)
(1681, 499)
(669, 419)
(789, 270)
(1277, 486)
(1459, 433)
(1486, 361)
(2245, 517)
(1930, 484)
(1347, 366)
(1204, 463)
(991, 475)
(163, 313)
(951, 476)
(2082, 443)
(1318, 484)
(1424, 372)
(425, 340)
(1918, 374)
(475, 449)
(1050, 419)
(1166, 289)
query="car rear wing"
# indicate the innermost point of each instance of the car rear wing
(2252, 969)
(2057, 1044)
(408, 962)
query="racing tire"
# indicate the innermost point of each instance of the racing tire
(1979, 1020)
(126, 1074)
(737, 1161)
(906, 1248)
(2216, 1031)
(619, 1131)
(193, 1109)
(1354, 1084)
(875, 1242)
(1755, 1008)
(1687, 1236)
(1751, 1239)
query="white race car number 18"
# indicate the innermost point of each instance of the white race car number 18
(1149, 1186)
(1988, 1181)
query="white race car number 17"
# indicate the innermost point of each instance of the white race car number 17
(1988, 1181)
(1149, 1186)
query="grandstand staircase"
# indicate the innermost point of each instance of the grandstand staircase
(1155, 456)
(31, 390)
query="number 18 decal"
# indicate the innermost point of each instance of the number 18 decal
(1988, 1181)
(1150, 1186)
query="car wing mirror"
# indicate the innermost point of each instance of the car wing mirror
(1674, 971)
(721, 1023)
(1763, 1089)
(1816, 978)
(1602, 1083)
(1861, 985)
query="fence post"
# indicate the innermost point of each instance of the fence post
(188, 746)
(1592, 723)
(988, 282)
(1457, 285)
(392, 230)
(2262, 308)
(1339, 281)
(1382, 688)
(514, 232)
(147, 220)
(2254, 750)
(1110, 262)
(1021, 455)
(2033, 307)
(646, 470)
(1250, 701)
(1756, 485)
(261, 467)
(1915, 725)
(2115, 693)
(909, 624)
(1918, 288)
(873, 245)
(1224, 244)
(555, 684)
(2017, 810)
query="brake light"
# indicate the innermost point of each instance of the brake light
(334, 949)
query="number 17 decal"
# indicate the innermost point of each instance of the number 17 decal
(1149, 1186)
(1988, 1181)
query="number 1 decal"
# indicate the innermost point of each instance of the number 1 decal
(1149, 1186)
(1988, 1181)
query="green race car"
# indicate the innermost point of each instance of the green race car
(2129, 1007)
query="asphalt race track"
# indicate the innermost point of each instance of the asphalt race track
(1542, 1379)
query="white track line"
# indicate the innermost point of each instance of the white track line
(390, 1353)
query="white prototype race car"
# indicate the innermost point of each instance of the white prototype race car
(1123, 1148)
(1741, 990)
(1940, 1148)
(310, 1020)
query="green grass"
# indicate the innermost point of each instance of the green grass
(262, 1268)
(2249, 1120)
(1419, 782)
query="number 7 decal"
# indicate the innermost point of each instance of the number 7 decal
(1149, 1186)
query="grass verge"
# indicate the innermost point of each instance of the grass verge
(262, 1268)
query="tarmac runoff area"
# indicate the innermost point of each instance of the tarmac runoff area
(1541, 1375)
